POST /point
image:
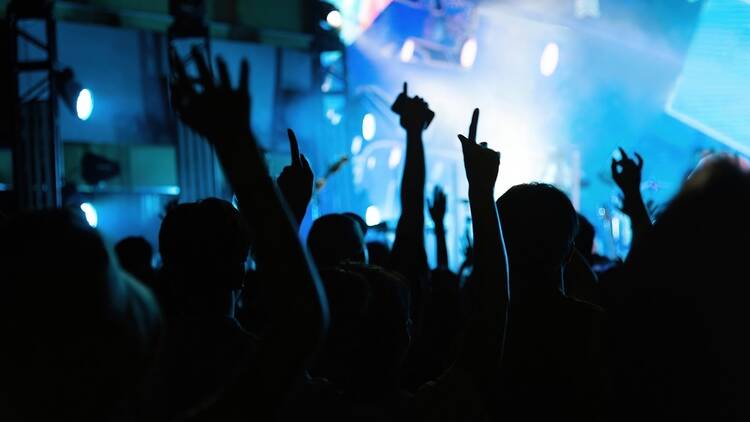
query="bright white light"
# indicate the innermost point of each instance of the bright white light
(334, 19)
(469, 52)
(368, 127)
(394, 158)
(84, 104)
(371, 162)
(90, 213)
(550, 57)
(372, 216)
(407, 50)
(356, 145)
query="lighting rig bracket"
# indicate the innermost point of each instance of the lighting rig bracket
(36, 144)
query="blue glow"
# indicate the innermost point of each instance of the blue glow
(710, 95)
(356, 145)
(91, 215)
(84, 104)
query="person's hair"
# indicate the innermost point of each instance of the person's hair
(135, 254)
(336, 238)
(378, 253)
(539, 224)
(369, 333)
(205, 243)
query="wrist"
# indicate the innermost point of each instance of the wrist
(481, 191)
(414, 131)
(634, 192)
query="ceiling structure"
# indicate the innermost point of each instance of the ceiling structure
(281, 23)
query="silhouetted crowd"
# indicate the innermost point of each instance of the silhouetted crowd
(535, 326)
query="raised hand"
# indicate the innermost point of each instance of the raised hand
(296, 180)
(216, 110)
(490, 273)
(437, 207)
(415, 113)
(481, 163)
(627, 173)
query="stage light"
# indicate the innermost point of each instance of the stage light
(469, 52)
(372, 216)
(90, 213)
(394, 159)
(356, 145)
(333, 116)
(407, 50)
(550, 58)
(334, 19)
(368, 127)
(371, 162)
(84, 104)
(78, 99)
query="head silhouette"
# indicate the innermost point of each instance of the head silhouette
(78, 336)
(336, 238)
(204, 246)
(689, 299)
(370, 327)
(539, 224)
(134, 255)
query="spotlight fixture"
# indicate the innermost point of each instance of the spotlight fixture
(468, 53)
(334, 19)
(92, 217)
(549, 59)
(77, 98)
(368, 126)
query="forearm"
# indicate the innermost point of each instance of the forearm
(490, 260)
(640, 220)
(278, 251)
(484, 340)
(413, 180)
(441, 246)
(408, 246)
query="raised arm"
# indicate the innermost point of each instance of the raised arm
(482, 349)
(296, 180)
(437, 213)
(408, 255)
(627, 175)
(292, 286)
